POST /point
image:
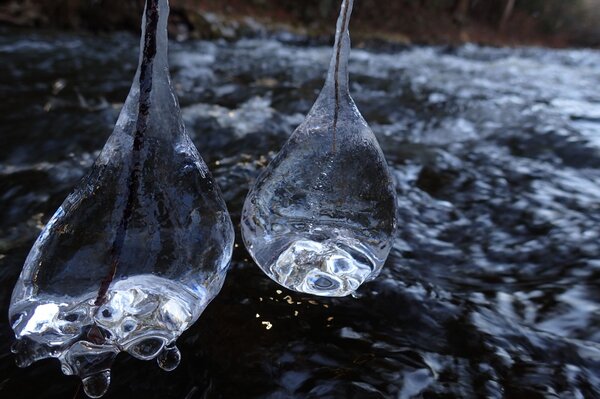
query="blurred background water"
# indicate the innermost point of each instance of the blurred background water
(492, 288)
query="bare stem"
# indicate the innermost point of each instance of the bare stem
(339, 65)
(149, 50)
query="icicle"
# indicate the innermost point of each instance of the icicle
(138, 250)
(321, 217)
(337, 76)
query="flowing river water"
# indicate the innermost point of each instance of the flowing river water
(492, 288)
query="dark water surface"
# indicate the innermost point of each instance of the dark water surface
(492, 288)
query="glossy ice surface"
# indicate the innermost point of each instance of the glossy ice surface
(320, 218)
(137, 251)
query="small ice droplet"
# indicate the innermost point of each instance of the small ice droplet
(66, 370)
(324, 282)
(146, 349)
(321, 217)
(169, 358)
(96, 385)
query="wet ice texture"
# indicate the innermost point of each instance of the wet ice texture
(320, 218)
(138, 250)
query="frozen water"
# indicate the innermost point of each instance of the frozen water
(321, 217)
(135, 254)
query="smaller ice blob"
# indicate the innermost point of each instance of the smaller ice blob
(135, 254)
(321, 217)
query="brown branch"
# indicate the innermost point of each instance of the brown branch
(145, 81)
(508, 9)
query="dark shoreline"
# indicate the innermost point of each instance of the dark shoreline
(404, 24)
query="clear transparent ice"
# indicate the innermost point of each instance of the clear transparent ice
(321, 217)
(138, 250)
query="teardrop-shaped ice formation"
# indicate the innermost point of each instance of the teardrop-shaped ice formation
(134, 255)
(321, 217)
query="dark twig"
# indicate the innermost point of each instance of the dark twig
(145, 80)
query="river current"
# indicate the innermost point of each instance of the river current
(492, 288)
